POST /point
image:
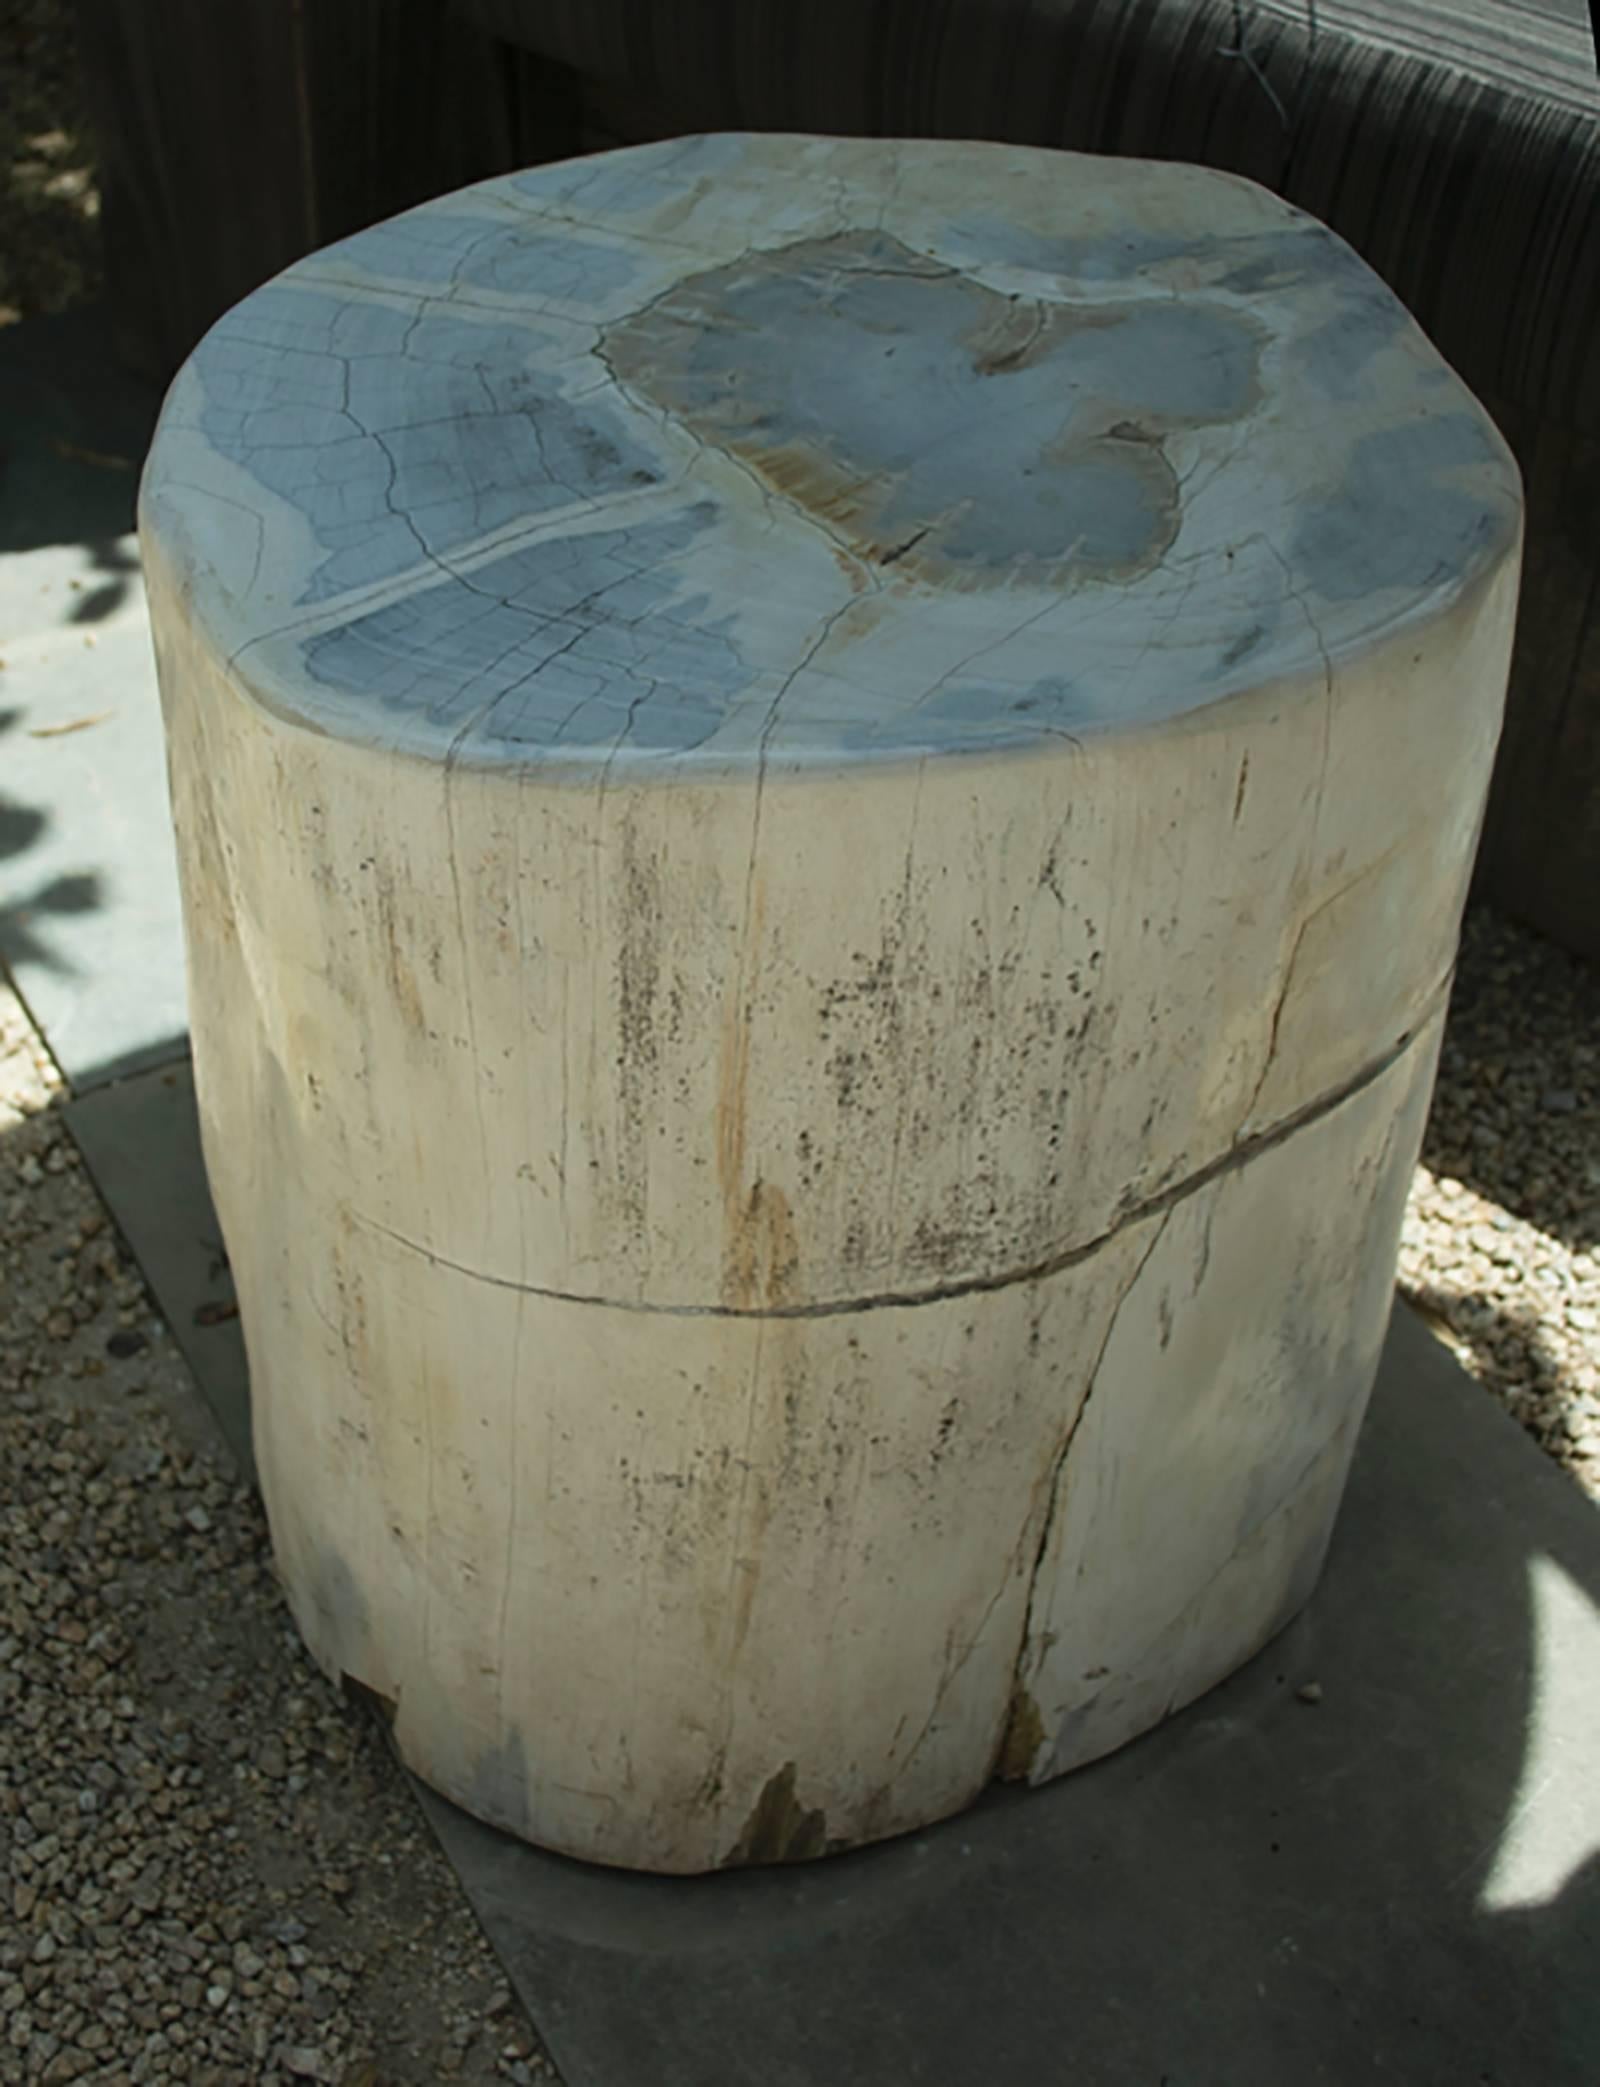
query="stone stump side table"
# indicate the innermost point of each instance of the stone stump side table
(824, 791)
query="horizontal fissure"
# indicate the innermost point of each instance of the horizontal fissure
(1236, 1156)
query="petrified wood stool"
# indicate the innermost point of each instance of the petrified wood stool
(824, 791)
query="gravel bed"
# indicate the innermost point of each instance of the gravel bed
(211, 1868)
(1501, 1252)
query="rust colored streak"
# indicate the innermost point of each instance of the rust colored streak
(760, 1252)
(1024, 1737)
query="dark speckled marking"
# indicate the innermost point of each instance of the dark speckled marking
(953, 432)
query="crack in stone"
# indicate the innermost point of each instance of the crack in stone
(983, 651)
(1278, 1006)
(1293, 1497)
(768, 727)
(1003, 1764)
(596, 514)
(1157, 1205)
(1297, 596)
(954, 1670)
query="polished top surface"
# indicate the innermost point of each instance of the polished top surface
(747, 449)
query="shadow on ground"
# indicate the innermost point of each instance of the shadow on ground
(73, 432)
(25, 915)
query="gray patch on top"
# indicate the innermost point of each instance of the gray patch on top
(945, 433)
(930, 420)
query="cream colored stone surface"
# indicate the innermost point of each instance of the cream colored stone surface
(824, 790)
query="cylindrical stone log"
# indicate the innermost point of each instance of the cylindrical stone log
(824, 790)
